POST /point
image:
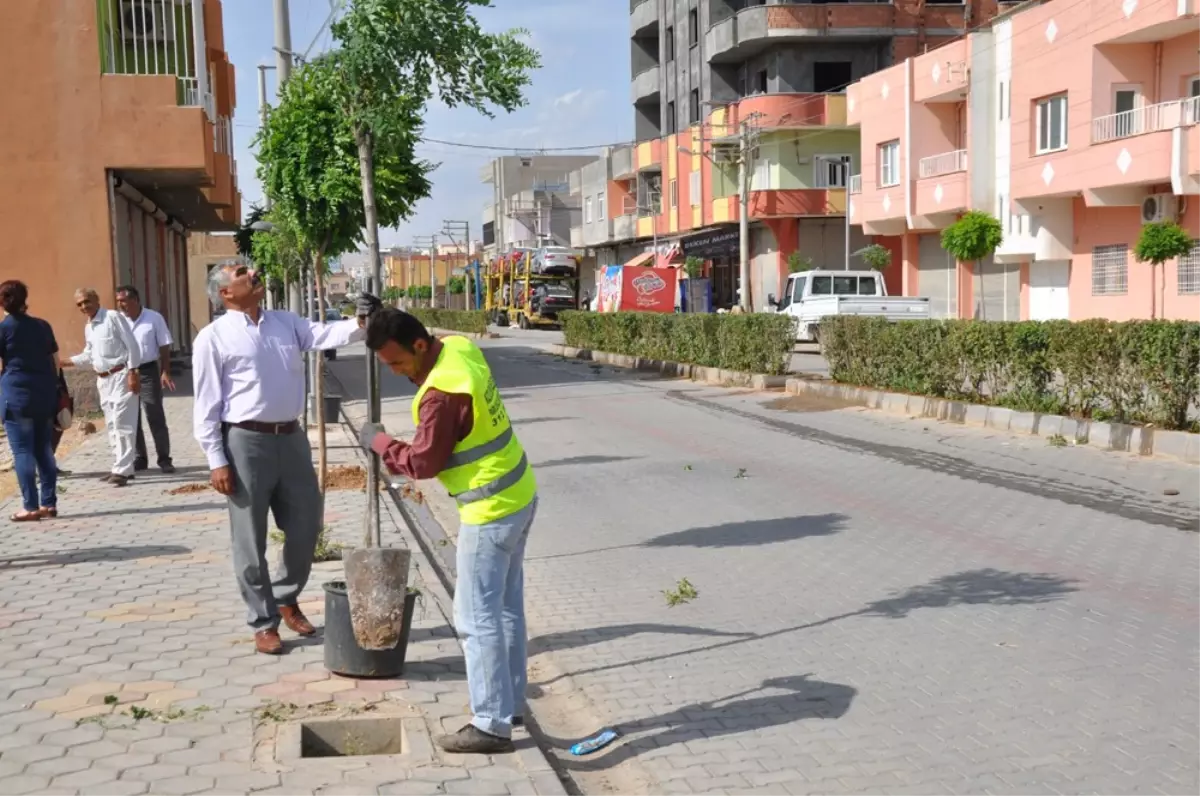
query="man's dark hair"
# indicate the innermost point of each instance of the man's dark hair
(395, 325)
(13, 296)
(130, 291)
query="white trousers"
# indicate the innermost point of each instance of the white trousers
(120, 407)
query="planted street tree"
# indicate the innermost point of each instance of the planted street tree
(876, 256)
(308, 164)
(1157, 243)
(395, 56)
(973, 238)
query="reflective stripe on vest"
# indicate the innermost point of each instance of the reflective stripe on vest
(495, 487)
(479, 451)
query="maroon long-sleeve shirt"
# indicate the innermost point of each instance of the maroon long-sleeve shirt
(445, 420)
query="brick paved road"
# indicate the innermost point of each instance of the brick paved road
(884, 605)
(129, 598)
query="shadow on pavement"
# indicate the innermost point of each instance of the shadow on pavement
(572, 639)
(173, 508)
(573, 460)
(974, 587)
(152, 476)
(802, 698)
(91, 555)
(730, 534)
(754, 532)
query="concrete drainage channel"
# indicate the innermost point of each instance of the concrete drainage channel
(396, 742)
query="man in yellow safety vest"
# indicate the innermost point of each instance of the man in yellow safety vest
(464, 438)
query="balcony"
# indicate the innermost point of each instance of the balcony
(643, 17)
(855, 184)
(622, 163)
(791, 203)
(945, 163)
(646, 86)
(1147, 119)
(942, 74)
(773, 112)
(625, 227)
(753, 29)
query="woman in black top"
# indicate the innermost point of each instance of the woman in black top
(29, 400)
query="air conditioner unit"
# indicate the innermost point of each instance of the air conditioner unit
(148, 20)
(1159, 207)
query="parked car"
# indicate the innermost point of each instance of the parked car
(552, 298)
(554, 261)
(810, 296)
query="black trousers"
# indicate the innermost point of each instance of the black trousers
(150, 406)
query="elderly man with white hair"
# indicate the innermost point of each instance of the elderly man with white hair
(248, 367)
(111, 350)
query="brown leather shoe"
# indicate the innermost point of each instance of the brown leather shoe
(268, 642)
(296, 620)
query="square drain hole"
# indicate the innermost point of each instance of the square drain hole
(352, 737)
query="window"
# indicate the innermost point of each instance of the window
(867, 286)
(822, 286)
(889, 164)
(671, 119)
(693, 27)
(694, 188)
(1052, 124)
(832, 77)
(1110, 270)
(1002, 213)
(1194, 87)
(760, 180)
(760, 81)
(669, 43)
(831, 171)
(1125, 102)
(600, 216)
(1189, 271)
(694, 106)
(1001, 91)
(798, 291)
(587, 210)
(673, 190)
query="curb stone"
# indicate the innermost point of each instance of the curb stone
(700, 373)
(533, 758)
(469, 335)
(1143, 441)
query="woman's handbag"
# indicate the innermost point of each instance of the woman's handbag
(66, 405)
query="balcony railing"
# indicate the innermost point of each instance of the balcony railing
(855, 183)
(157, 37)
(223, 136)
(945, 163)
(1146, 119)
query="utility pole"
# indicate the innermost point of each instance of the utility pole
(746, 146)
(430, 241)
(283, 71)
(459, 233)
(263, 106)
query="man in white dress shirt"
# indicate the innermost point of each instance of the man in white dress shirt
(113, 353)
(154, 345)
(249, 379)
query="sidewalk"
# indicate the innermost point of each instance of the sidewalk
(126, 666)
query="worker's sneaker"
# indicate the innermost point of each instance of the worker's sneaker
(471, 740)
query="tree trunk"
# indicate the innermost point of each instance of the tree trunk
(979, 279)
(1162, 290)
(366, 167)
(319, 398)
(1153, 292)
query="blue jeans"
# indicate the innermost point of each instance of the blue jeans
(33, 456)
(489, 613)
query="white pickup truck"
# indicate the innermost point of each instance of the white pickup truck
(810, 296)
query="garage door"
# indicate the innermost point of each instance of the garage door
(997, 291)
(936, 277)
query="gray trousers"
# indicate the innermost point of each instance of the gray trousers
(272, 472)
(150, 406)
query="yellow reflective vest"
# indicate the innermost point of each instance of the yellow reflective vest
(487, 474)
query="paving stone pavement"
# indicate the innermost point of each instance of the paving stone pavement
(126, 666)
(885, 606)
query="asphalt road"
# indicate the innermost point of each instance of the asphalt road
(881, 605)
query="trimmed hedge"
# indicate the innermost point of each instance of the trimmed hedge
(1131, 372)
(747, 343)
(469, 321)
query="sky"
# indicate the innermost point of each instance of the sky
(580, 96)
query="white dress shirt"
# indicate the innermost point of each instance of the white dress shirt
(245, 371)
(108, 343)
(151, 332)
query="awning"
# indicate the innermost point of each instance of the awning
(642, 259)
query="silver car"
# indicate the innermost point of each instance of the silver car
(554, 260)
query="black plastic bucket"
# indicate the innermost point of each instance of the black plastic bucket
(342, 653)
(333, 409)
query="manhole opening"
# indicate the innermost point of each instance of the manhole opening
(353, 738)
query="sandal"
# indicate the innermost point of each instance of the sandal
(45, 511)
(26, 516)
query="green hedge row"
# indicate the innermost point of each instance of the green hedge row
(1131, 372)
(470, 321)
(748, 343)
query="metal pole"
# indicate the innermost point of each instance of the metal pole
(743, 219)
(433, 273)
(262, 113)
(847, 217)
(283, 70)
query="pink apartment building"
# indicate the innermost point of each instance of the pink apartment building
(1073, 122)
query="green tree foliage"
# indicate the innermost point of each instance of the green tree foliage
(1157, 243)
(457, 285)
(876, 256)
(277, 252)
(973, 237)
(245, 232)
(798, 263)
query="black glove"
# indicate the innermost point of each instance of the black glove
(368, 433)
(367, 305)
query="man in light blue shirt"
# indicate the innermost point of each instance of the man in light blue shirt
(248, 366)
